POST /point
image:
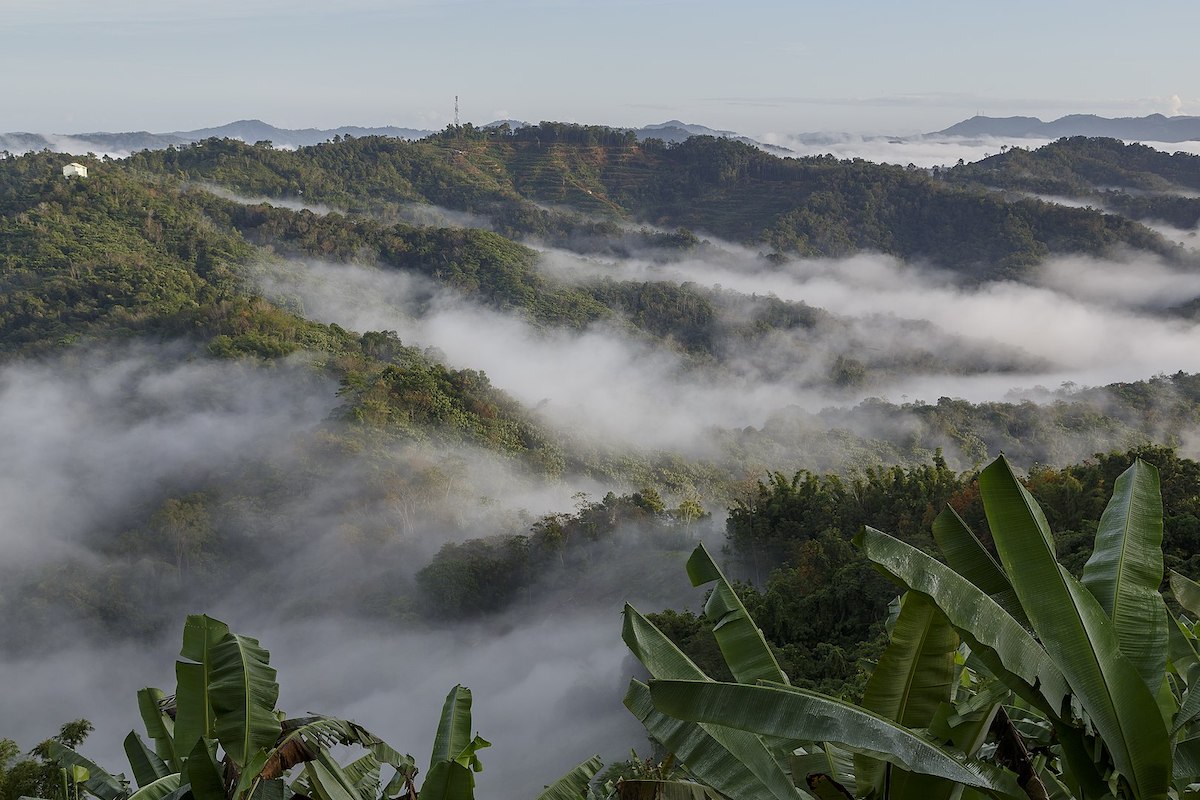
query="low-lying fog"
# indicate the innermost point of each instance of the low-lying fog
(100, 441)
(1081, 321)
(98, 445)
(923, 151)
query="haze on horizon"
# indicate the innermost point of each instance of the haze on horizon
(759, 67)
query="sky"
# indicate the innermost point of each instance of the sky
(756, 66)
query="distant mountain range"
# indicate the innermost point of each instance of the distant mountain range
(255, 130)
(1153, 128)
(246, 130)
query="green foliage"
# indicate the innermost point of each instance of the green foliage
(484, 576)
(243, 747)
(1094, 666)
(812, 206)
(36, 774)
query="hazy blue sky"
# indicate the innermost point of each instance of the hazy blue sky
(755, 66)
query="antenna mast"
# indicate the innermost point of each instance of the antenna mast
(456, 111)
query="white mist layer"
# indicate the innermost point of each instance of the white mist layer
(87, 438)
(924, 151)
(1089, 321)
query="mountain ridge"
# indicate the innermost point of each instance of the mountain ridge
(1153, 127)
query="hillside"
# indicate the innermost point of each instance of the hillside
(1132, 180)
(488, 433)
(812, 206)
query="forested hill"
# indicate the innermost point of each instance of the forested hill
(1079, 164)
(125, 255)
(809, 206)
(1134, 180)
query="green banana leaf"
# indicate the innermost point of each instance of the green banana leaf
(967, 556)
(825, 787)
(454, 728)
(99, 782)
(573, 785)
(1186, 591)
(913, 679)
(836, 764)
(159, 789)
(159, 726)
(364, 774)
(243, 693)
(146, 765)
(708, 751)
(735, 763)
(203, 772)
(448, 780)
(251, 775)
(1125, 570)
(987, 627)
(916, 672)
(270, 790)
(1188, 709)
(798, 713)
(1186, 768)
(742, 644)
(328, 781)
(194, 717)
(1077, 635)
(666, 790)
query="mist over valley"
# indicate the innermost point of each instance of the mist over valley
(418, 413)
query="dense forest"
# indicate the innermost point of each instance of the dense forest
(810, 206)
(498, 383)
(1131, 180)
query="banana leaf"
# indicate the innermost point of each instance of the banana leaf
(665, 790)
(447, 780)
(99, 782)
(328, 781)
(708, 751)
(825, 787)
(736, 763)
(913, 679)
(194, 717)
(835, 764)
(159, 726)
(243, 693)
(146, 765)
(203, 772)
(791, 712)
(363, 773)
(251, 776)
(454, 729)
(742, 644)
(1125, 570)
(967, 556)
(159, 789)
(1186, 767)
(1186, 591)
(987, 627)
(270, 790)
(1077, 635)
(573, 785)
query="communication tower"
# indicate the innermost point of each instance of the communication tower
(456, 111)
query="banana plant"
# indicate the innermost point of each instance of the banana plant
(1094, 659)
(220, 737)
(1082, 689)
(914, 736)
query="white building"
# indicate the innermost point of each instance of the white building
(74, 170)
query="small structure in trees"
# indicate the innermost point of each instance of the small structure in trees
(74, 170)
